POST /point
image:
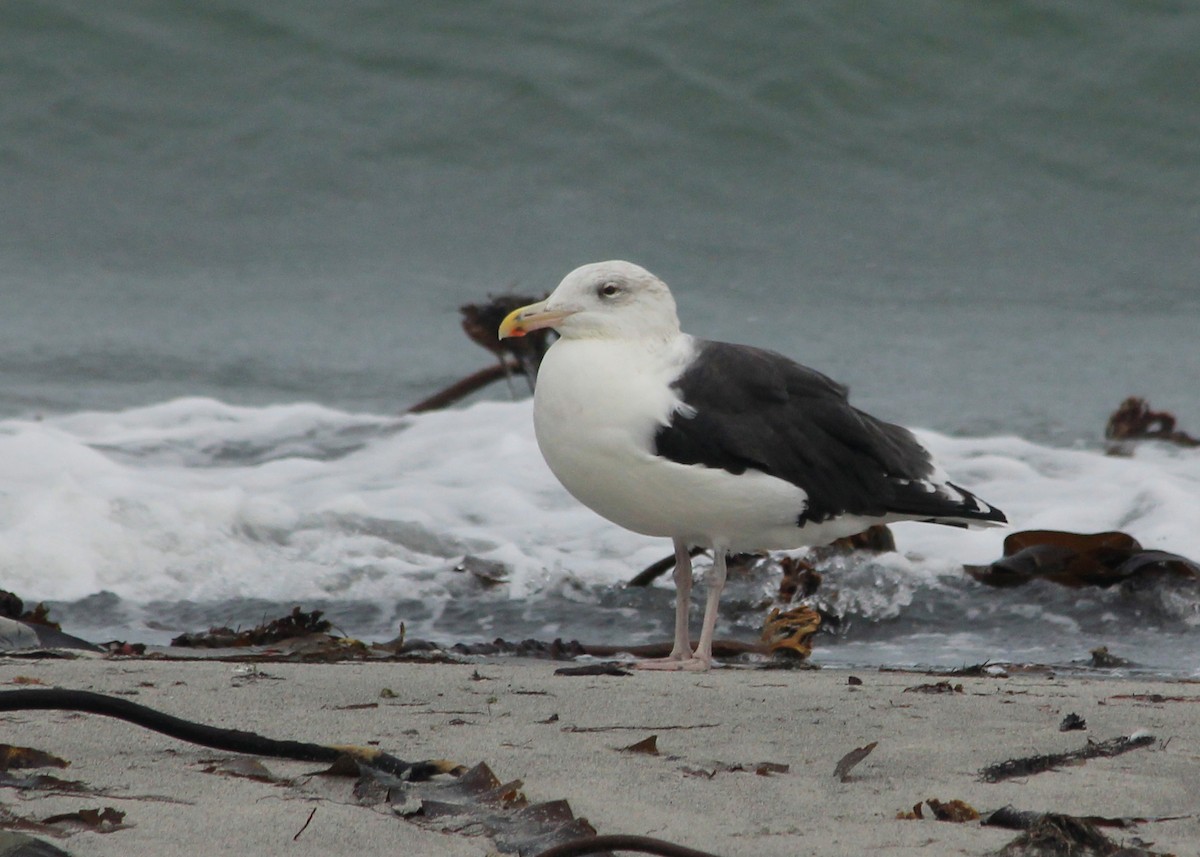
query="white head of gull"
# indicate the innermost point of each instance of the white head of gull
(711, 444)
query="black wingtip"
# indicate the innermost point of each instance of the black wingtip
(983, 513)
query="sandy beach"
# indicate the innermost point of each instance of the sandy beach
(745, 762)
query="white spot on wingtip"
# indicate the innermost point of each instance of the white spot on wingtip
(686, 411)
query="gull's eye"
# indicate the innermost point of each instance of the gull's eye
(608, 290)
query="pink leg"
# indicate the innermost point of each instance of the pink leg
(681, 657)
(716, 582)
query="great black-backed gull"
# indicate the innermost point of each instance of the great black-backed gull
(710, 444)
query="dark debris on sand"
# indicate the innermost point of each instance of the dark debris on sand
(1057, 835)
(1029, 765)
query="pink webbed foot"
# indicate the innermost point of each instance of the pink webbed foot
(689, 664)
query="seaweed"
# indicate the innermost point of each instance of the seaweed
(1080, 559)
(520, 355)
(1072, 722)
(1052, 834)
(295, 624)
(1030, 765)
(1134, 420)
(13, 607)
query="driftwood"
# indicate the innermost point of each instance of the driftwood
(464, 387)
(519, 356)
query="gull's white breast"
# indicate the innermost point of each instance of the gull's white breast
(597, 406)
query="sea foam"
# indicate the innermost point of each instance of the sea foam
(194, 500)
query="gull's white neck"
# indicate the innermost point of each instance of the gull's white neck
(605, 398)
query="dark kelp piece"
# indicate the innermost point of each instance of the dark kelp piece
(520, 355)
(540, 826)
(1071, 723)
(1147, 562)
(1017, 819)
(1011, 818)
(876, 538)
(1080, 559)
(1103, 659)
(800, 579)
(1031, 765)
(481, 324)
(13, 607)
(1134, 420)
(296, 624)
(104, 820)
(1053, 834)
(9, 820)
(478, 804)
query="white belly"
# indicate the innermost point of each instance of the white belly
(597, 407)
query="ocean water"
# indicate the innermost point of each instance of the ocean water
(235, 236)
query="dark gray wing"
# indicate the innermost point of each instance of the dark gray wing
(749, 408)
